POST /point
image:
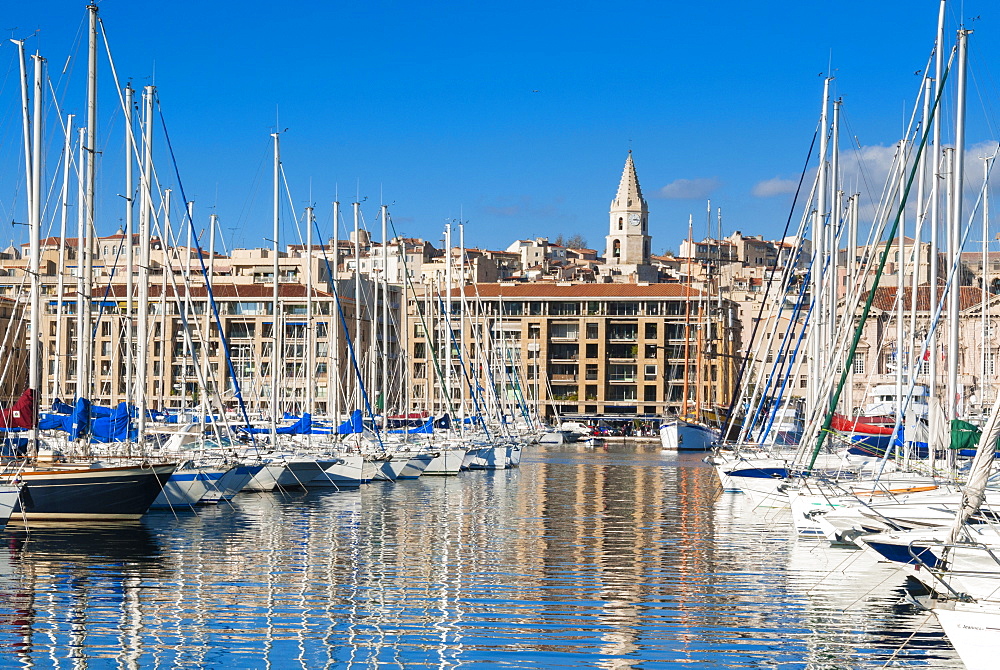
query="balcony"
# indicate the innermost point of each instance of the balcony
(563, 377)
(628, 352)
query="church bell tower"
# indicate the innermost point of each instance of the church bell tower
(628, 237)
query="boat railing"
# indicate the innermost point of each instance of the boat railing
(941, 568)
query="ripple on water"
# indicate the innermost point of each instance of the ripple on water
(600, 556)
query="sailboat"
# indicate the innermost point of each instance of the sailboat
(687, 432)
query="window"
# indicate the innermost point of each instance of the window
(803, 383)
(621, 220)
(419, 350)
(651, 351)
(592, 331)
(240, 330)
(623, 308)
(616, 248)
(622, 393)
(569, 331)
(650, 373)
(621, 373)
(564, 308)
(650, 331)
(623, 331)
(591, 351)
(649, 393)
(591, 371)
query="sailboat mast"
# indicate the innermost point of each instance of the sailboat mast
(87, 343)
(60, 272)
(35, 227)
(985, 292)
(212, 385)
(82, 288)
(145, 235)
(333, 373)
(385, 311)
(129, 249)
(356, 206)
(955, 224)
(935, 220)
(447, 315)
(834, 226)
(310, 335)
(687, 316)
(900, 281)
(275, 307)
(463, 311)
(817, 336)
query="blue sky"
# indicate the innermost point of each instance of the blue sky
(515, 116)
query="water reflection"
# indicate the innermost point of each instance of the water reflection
(611, 556)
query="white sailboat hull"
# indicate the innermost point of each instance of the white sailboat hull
(974, 630)
(678, 435)
(447, 462)
(345, 474)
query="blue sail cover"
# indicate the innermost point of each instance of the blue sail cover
(77, 424)
(96, 411)
(444, 422)
(301, 427)
(352, 425)
(115, 427)
(304, 426)
(59, 407)
(50, 422)
(426, 429)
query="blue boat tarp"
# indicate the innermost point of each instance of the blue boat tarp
(59, 407)
(352, 425)
(50, 422)
(303, 426)
(115, 427)
(77, 424)
(444, 423)
(426, 429)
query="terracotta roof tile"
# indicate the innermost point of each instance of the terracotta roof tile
(885, 297)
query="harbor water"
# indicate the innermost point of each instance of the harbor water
(609, 555)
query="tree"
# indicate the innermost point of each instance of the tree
(576, 241)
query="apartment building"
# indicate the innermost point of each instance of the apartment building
(271, 343)
(578, 349)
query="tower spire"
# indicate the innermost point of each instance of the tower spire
(629, 194)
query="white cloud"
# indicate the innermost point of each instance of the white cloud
(689, 189)
(772, 187)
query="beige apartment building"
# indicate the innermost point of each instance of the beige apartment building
(576, 349)
(186, 353)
